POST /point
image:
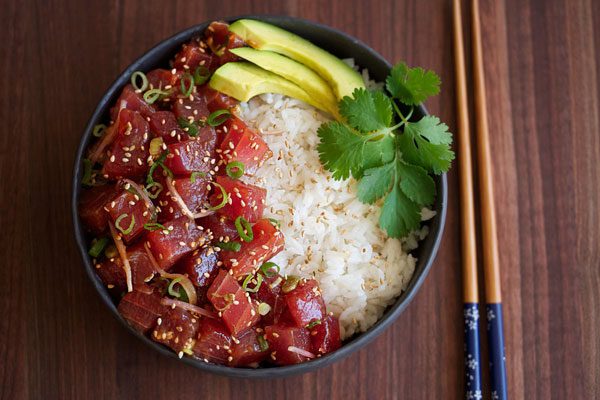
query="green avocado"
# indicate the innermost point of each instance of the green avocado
(306, 78)
(260, 35)
(243, 80)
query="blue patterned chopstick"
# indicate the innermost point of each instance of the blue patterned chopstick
(472, 355)
(496, 348)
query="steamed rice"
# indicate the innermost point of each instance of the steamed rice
(329, 234)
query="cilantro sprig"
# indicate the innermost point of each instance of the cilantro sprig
(391, 155)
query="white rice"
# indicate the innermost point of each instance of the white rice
(329, 234)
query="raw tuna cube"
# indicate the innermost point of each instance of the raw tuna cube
(325, 337)
(177, 329)
(248, 351)
(112, 274)
(194, 155)
(135, 211)
(305, 303)
(216, 100)
(232, 302)
(110, 271)
(126, 158)
(141, 308)
(270, 293)
(194, 195)
(221, 228)
(183, 238)
(245, 200)
(281, 338)
(164, 124)
(192, 56)
(214, 341)
(132, 101)
(267, 242)
(91, 207)
(220, 40)
(191, 108)
(244, 145)
(201, 267)
(165, 80)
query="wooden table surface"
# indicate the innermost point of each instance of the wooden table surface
(542, 62)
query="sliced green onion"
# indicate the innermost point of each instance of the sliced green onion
(244, 229)
(267, 267)
(134, 81)
(187, 90)
(197, 174)
(264, 309)
(152, 95)
(110, 251)
(189, 127)
(218, 117)
(87, 172)
(275, 222)
(259, 281)
(99, 130)
(264, 345)
(314, 323)
(154, 226)
(180, 292)
(290, 283)
(235, 169)
(229, 246)
(154, 194)
(131, 224)
(201, 75)
(97, 246)
(156, 145)
(158, 162)
(224, 195)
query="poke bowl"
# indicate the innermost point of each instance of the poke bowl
(233, 197)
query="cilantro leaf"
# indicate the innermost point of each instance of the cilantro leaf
(412, 86)
(375, 183)
(377, 153)
(340, 149)
(416, 184)
(367, 110)
(427, 145)
(399, 214)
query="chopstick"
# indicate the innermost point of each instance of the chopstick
(491, 262)
(467, 208)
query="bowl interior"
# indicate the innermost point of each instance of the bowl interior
(342, 46)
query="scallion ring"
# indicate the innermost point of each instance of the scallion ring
(134, 81)
(129, 228)
(275, 222)
(313, 324)
(218, 117)
(98, 246)
(152, 95)
(153, 194)
(229, 246)
(201, 75)
(180, 292)
(99, 130)
(189, 127)
(224, 195)
(86, 179)
(267, 267)
(259, 281)
(235, 169)
(244, 229)
(290, 284)
(264, 345)
(158, 162)
(197, 174)
(187, 90)
(154, 226)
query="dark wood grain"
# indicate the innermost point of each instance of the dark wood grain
(542, 63)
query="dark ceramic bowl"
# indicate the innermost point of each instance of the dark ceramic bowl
(339, 44)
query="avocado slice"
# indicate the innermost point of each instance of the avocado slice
(263, 36)
(293, 71)
(243, 80)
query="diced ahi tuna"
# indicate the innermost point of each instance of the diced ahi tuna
(282, 338)
(126, 157)
(129, 212)
(167, 81)
(194, 109)
(305, 303)
(164, 124)
(267, 242)
(182, 238)
(176, 329)
(194, 195)
(192, 56)
(91, 207)
(325, 337)
(220, 40)
(141, 308)
(245, 200)
(216, 100)
(132, 101)
(221, 228)
(270, 293)
(194, 155)
(112, 274)
(232, 302)
(247, 350)
(243, 144)
(213, 342)
(201, 267)
(110, 271)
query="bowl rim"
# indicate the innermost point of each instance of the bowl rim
(355, 343)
